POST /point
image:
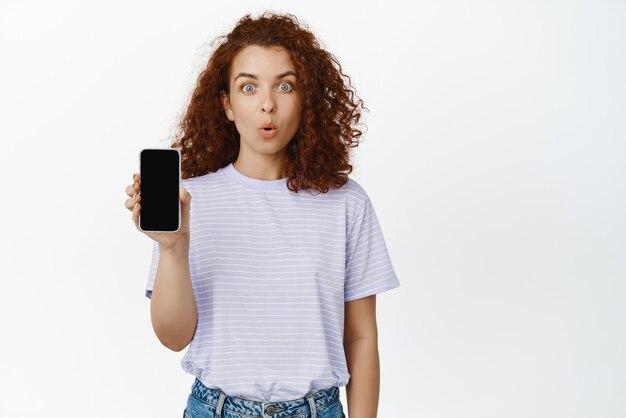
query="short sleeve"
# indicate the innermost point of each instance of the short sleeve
(153, 268)
(368, 266)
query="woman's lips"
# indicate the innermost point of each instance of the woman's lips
(268, 133)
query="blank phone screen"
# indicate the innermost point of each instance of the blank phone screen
(159, 184)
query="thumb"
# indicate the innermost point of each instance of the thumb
(185, 197)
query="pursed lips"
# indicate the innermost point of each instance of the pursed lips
(267, 131)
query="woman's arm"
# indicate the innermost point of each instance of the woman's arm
(173, 306)
(360, 342)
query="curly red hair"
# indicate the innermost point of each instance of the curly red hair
(318, 155)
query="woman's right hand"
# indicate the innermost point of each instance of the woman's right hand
(165, 239)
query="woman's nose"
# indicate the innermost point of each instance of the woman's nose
(268, 104)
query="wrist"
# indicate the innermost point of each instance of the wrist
(180, 246)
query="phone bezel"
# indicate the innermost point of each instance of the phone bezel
(179, 178)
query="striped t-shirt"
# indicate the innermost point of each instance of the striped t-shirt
(271, 270)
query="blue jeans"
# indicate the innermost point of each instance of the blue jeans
(204, 402)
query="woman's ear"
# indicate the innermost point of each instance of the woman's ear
(226, 105)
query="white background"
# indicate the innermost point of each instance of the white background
(495, 158)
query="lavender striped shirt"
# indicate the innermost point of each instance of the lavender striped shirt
(271, 270)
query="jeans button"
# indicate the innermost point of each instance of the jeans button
(270, 410)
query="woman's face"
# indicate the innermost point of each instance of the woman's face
(263, 90)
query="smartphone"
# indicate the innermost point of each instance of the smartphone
(159, 187)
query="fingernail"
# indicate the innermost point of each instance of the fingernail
(186, 192)
(135, 206)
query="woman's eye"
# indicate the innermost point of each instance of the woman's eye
(289, 87)
(249, 88)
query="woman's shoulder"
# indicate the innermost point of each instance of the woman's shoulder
(353, 186)
(355, 193)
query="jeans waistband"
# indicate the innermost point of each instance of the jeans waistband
(275, 409)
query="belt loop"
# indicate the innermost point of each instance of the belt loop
(312, 405)
(220, 404)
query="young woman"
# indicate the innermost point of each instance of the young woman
(272, 279)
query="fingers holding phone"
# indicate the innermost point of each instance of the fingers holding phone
(133, 192)
(160, 207)
(134, 203)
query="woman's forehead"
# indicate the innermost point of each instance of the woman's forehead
(262, 62)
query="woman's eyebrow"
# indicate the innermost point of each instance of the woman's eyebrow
(285, 74)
